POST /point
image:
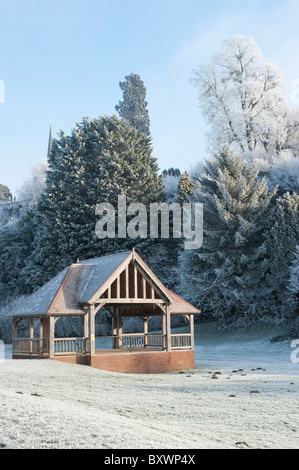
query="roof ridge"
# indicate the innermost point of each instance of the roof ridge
(104, 256)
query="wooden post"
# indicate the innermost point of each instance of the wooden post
(145, 330)
(46, 334)
(85, 325)
(114, 329)
(15, 328)
(168, 330)
(191, 322)
(92, 348)
(31, 333)
(164, 345)
(41, 335)
(85, 332)
(14, 332)
(51, 336)
(119, 328)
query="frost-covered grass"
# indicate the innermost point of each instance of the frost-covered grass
(48, 404)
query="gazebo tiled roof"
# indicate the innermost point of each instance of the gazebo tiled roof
(79, 284)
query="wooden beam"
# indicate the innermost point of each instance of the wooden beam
(191, 320)
(114, 329)
(41, 335)
(145, 330)
(135, 282)
(85, 326)
(119, 328)
(164, 330)
(118, 287)
(108, 310)
(91, 315)
(15, 328)
(51, 336)
(132, 301)
(152, 292)
(110, 280)
(168, 329)
(127, 282)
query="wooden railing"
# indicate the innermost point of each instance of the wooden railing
(141, 340)
(156, 340)
(65, 346)
(30, 346)
(181, 341)
(133, 340)
(70, 346)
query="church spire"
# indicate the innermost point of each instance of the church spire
(50, 142)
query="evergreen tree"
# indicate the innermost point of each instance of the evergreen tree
(185, 188)
(293, 282)
(281, 238)
(16, 240)
(172, 172)
(133, 108)
(101, 159)
(226, 277)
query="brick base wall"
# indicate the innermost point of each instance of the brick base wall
(150, 362)
(83, 360)
(145, 363)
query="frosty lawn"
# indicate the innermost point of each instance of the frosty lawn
(47, 404)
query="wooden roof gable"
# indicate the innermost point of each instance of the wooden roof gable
(132, 279)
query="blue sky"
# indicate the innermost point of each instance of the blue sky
(63, 59)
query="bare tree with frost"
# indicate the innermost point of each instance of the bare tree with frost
(243, 97)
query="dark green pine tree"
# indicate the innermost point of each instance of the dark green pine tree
(226, 276)
(281, 239)
(16, 240)
(101, 159)
(133, 107)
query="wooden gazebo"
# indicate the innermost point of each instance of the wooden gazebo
(124, 285)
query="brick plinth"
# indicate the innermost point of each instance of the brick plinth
(137, 362)
(150, 362)
(78, 359)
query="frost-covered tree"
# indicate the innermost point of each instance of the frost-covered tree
(284, 172)
(171, 187)
(5, 194)
(226, 276)
(101, 159)
(30, 191)
(243, 97)
(133, 107)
